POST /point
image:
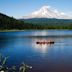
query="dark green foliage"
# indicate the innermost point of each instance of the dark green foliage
(53, 23)
(10, 23)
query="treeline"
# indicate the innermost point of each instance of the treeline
(10, 23)
(46, 23)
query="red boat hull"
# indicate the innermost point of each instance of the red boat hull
(50, 42)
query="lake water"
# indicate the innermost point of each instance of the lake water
(21, 47)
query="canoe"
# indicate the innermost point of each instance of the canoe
(45, 42)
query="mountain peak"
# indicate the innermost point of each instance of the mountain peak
(47, 12)
(42, 12)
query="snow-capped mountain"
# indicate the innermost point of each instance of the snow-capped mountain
(47, 12)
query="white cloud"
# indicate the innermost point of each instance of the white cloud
(56, 11)
(62, 13)
(46, 6)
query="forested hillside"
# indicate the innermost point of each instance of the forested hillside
(51, 23)
(10, 23)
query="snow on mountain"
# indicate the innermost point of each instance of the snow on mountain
(47, 12)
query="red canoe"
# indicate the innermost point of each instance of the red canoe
(45, 42)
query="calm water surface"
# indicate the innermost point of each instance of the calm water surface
(22, 47)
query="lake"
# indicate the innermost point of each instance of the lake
(21, 47)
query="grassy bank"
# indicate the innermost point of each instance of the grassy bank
(15, 30)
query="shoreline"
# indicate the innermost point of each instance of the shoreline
(30, 30)
(10, 30)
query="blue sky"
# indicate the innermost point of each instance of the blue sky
(19, 8)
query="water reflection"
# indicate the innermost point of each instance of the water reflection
(44, 44)
(40, 33)
(43, 57)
